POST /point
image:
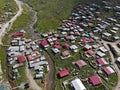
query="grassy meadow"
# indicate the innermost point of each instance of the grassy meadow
(51, 12)
(7, 6)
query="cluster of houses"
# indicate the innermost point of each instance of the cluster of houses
(84, 28)
(24, 50)
(78, 85)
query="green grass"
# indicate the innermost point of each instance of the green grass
(67, 64)
(3, 61)
(22, 77)
(51, 12)
(22, 21)
(85, 72)
(7, 6)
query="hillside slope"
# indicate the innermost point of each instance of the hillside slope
(51, 12)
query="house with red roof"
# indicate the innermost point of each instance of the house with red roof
(17, 34)
(74, 48)
(67, 37)
(84, 41)
(44, 43)
(56, 43)
(66, 46)
(63, 73)
(80, 64)
(108, 70)
(57, 46)
(29, 58)
(95, 80)
(77, 34)
(21, 59)
(90, 40)
(101, 61)
(89, 53)
(90, 24)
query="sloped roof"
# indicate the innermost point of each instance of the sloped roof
(95, 80)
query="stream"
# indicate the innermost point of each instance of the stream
(50, 83)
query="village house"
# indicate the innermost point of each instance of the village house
(44, 44)
(65, 54)
(17, 34)
(74, 48)
(108, 70)
(118, 60)
(44, 35)
(101, 61)
(77, 85)
(89, 53)
(14, 42)
(50, 40)
(39, 75)
(80, 63)
(106, 35)
(55, 50)
(95, 46)
(103, 49)
(117, 25)
(87, 47)
(17, 65)
(39, 63)
(38, 68)
(63, 73)
(100, 54)
(21, 58)
(66, 46)
(116, 28)
(95, 80)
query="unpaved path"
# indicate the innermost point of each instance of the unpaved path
(50, 79)
(114, 44)
(6, 27)
(32, 82)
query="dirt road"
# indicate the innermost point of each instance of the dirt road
(50, 80)
(32, 82)
(6, 27)
(105, 43)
